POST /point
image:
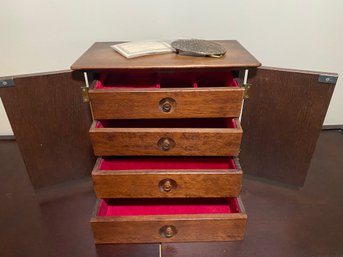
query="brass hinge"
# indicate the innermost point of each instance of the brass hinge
(247, 88)
(328, 79)
(84, 94)
(6, 82)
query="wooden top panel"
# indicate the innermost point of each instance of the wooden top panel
(101, 56)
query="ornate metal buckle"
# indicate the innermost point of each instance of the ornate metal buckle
(198, 47)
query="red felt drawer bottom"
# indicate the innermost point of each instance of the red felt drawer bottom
(159, 163)
(134, 207)
(176, 79)
(168, 123)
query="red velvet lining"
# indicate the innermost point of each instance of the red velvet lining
(168, 123)
(177, 79)
(171, 79)
(150, 163)
(136, 207)
(137, 79)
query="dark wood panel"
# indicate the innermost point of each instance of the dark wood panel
(101, 56)
(185, 103)
(50, 123)
(282, 120)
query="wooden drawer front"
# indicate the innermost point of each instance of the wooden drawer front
(194, 137)
(137, 95)
(185, 103)
(154, 177)
(168, 220)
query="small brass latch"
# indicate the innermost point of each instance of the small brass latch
(166, 107)
(167, 185)
(167, 104)
(247, 88)
(9, 82)
(168, 231)
(328, 78)
(84, 94)
(165, 144)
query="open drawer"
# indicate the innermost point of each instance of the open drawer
(140, 94)
(187, 137)
(154, 177)
(168, 220)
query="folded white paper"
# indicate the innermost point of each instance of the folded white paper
(141, 48)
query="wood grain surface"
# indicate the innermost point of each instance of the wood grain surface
(145, 229)
(188, 141)
(101, 56)
(145, 103)
(279, 218)
(50, 123)
(282, 120)
(146, 183)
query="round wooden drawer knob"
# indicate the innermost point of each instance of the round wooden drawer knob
(165, 144)
(167, 185)
(167, 104)
(168, 231)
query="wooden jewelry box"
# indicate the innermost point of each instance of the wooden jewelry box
(167, 134)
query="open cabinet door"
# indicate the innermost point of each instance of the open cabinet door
(282, 121)
(50, 123)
